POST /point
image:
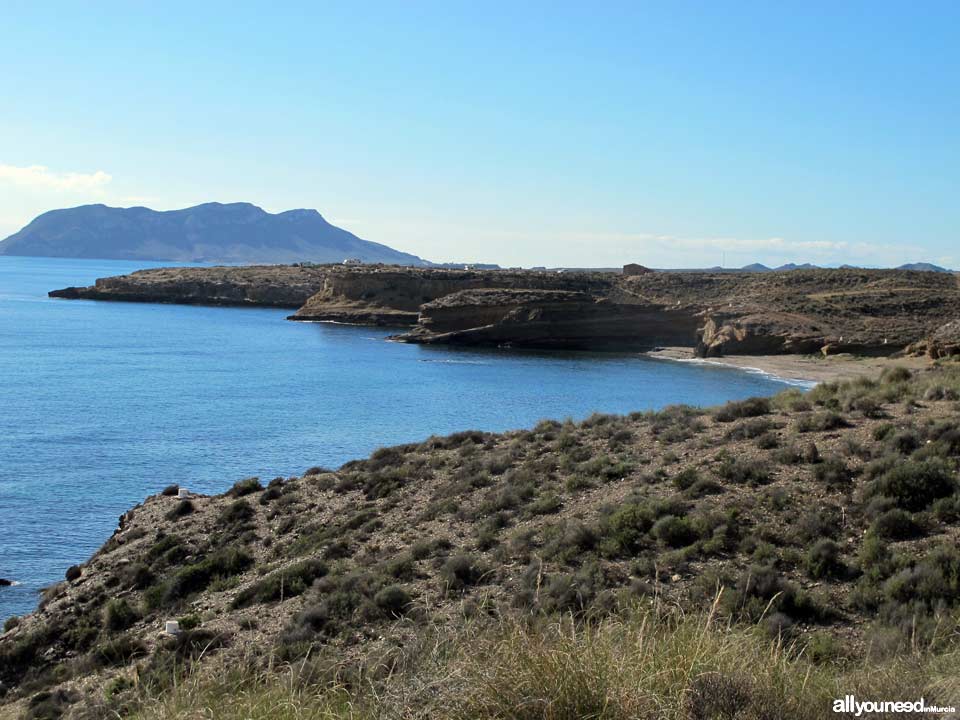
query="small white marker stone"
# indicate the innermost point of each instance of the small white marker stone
(182, 493)
(171, 627)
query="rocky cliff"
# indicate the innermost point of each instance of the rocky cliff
(876, 312)
(286, 286)
(550, 319)
(384, 294)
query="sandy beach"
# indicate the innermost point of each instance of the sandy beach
(800, 368)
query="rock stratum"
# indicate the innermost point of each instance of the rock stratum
(847, 310)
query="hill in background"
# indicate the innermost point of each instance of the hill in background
(212, 232)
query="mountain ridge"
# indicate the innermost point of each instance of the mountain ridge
(238, 232)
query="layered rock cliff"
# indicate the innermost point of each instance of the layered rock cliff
(387, 295)
(550, 319)
(876, 312)
(286, 286)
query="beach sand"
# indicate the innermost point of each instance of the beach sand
(801, 368)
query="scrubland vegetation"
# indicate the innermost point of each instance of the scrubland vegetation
(757, 560)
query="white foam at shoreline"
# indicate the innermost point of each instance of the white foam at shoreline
(795, 382)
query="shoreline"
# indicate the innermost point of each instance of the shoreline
(807, 370)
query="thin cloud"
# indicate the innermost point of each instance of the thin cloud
(42, 177)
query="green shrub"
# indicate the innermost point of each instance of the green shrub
(460, 572)
(947, 509)
(674, 531)
(119, 615)
(393, 600)
(10, 623)
(686, 479)
(73, 573)
(931, 583)
(245, 487)
(181, 509)
(897, 374)
(547, 504)
(118, 651)
(896, 524)
(822, 422)
(833, 472)
(914, 485)
(750, 429)
(197, 576)
(286, 583)
(761, 590)
(752, 407)
(823, 560)
(742, 471)
(903, 442)
(625, 531)
(236, 513)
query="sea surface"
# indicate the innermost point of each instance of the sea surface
(102, 403)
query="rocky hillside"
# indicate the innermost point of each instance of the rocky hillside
(830, 519)
(873, 312)
(213, 232)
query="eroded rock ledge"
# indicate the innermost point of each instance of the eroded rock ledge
(871, 312)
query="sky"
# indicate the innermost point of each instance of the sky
(673, 134)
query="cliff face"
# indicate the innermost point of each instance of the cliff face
(877, 312)
(550, 319)
(265, 285)
(394, 295)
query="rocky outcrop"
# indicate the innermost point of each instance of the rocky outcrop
(391, 295)
(943, 342)
(284, 286)
(874, 312)
(556, 319)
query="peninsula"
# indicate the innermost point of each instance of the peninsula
(806, 311)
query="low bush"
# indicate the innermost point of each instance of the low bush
(197, 576)
(823, 560)
(896, 524)
(460, 572)
(246, 486)
(833, 472)
(286, 583)
(181, 509)
(393, 600)
(743, 471)
(674, 531)
(119, 615)
(915, 485)
(822, 422)
(752, 407)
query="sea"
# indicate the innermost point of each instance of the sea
(105, 403)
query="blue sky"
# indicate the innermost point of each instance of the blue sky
(671, 134)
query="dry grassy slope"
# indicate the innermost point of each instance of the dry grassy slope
(832, 515)
(852, 310)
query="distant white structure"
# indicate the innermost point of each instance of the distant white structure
(353, 261)
(182, 493)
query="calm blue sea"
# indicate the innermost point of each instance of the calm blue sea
(102, 403)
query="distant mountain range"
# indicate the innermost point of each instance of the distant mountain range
(212, 232)
(758, 267)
